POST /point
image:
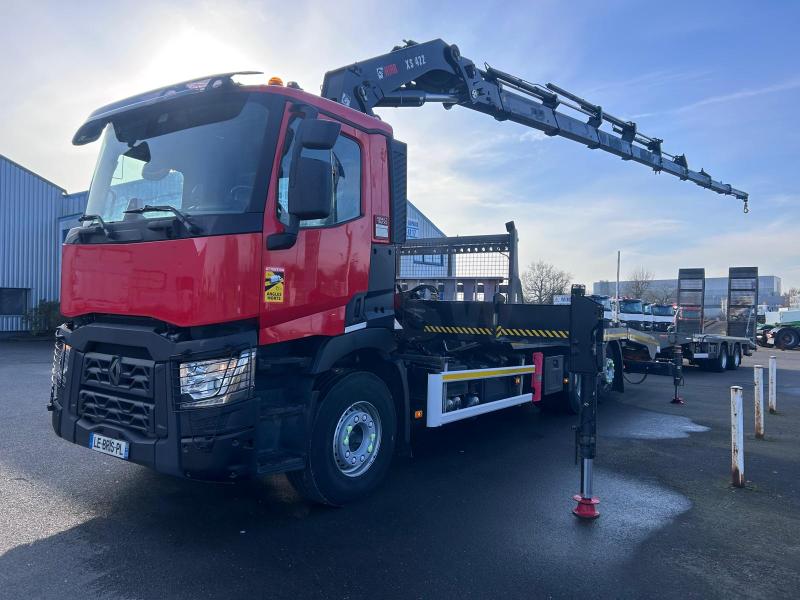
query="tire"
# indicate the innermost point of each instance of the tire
(564, 402)
(604, 386)
(735, 359)
(720, 363)
(787, 339)
(362, 402)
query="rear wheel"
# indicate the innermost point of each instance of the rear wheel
(735, 358)
(352, 441)
(720, 363)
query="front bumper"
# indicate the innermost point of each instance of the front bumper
(139, 402)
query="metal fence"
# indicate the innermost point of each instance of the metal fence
(468, 268)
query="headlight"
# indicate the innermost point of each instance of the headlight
(61, 355)
(217, 381)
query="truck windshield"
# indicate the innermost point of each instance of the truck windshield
(663, 311)
(604, 300)
(200, 157)
(631, 307)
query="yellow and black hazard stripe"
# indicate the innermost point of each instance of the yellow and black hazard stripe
(457, 330)
(499, 332)
(539, 333)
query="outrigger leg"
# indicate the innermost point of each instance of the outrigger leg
(586, 439)
(677, 374)
(586, 355)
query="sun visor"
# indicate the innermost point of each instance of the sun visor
(94, 125)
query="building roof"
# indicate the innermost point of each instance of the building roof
(27, 170)
(424, 216)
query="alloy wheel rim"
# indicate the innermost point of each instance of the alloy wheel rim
(609, 371)
(357, 439)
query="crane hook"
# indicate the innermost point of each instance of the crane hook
(746, 208)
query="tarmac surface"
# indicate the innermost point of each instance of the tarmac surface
(482, 509)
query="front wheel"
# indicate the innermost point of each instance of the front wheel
(352, 441)
(605, 383)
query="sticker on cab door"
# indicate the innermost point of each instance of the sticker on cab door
(381, 226)
(273, 284)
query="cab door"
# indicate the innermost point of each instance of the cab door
(307, 286)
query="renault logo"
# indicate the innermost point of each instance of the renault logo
(114, 371)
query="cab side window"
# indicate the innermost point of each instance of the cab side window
(345, 161)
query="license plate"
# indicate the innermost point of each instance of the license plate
(109, 446)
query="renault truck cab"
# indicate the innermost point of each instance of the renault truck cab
(663, 316)
(631, 311)
(648, 316)
(229, 229)
(605, 302)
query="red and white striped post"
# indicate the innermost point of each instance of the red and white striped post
(737, 437)
(773, 385)
(758, 383)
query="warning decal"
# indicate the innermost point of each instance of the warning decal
(273, 284)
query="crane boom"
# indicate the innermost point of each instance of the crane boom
(434, 71)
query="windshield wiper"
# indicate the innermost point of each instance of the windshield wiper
(181, 216)
(109, 234)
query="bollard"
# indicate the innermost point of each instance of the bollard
(773, 385)
(737, 437)
(758, 383)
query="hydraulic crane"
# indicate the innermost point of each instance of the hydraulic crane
(417, 73)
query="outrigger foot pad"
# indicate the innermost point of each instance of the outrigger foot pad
(586, 508)
(677, 400)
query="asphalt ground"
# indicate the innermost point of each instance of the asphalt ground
(482, 510)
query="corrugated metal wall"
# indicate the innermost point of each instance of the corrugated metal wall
(30, 240)
(73, 204)
(420, 226)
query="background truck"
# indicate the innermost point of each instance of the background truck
(631, 312)
(663, 316)
(232, 299)
(663, 350)
(780, 330)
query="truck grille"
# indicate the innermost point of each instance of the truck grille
(115, 410)
(118, 390)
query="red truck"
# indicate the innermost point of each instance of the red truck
(231, 293)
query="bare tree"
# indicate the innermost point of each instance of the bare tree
(661, 295)
(639, 282)
(541, 281)
(789, 296)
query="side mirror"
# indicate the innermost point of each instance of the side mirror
(315, 134)
(311, 189)
(310, 180)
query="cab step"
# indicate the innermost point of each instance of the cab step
(278, 462)
(272, 411)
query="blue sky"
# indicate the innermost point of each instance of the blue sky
(717, 81)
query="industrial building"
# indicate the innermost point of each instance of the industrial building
(35, 216)
(665, 290)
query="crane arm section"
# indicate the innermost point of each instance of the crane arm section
(434, 71)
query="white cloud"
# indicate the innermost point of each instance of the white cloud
(783, 86)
